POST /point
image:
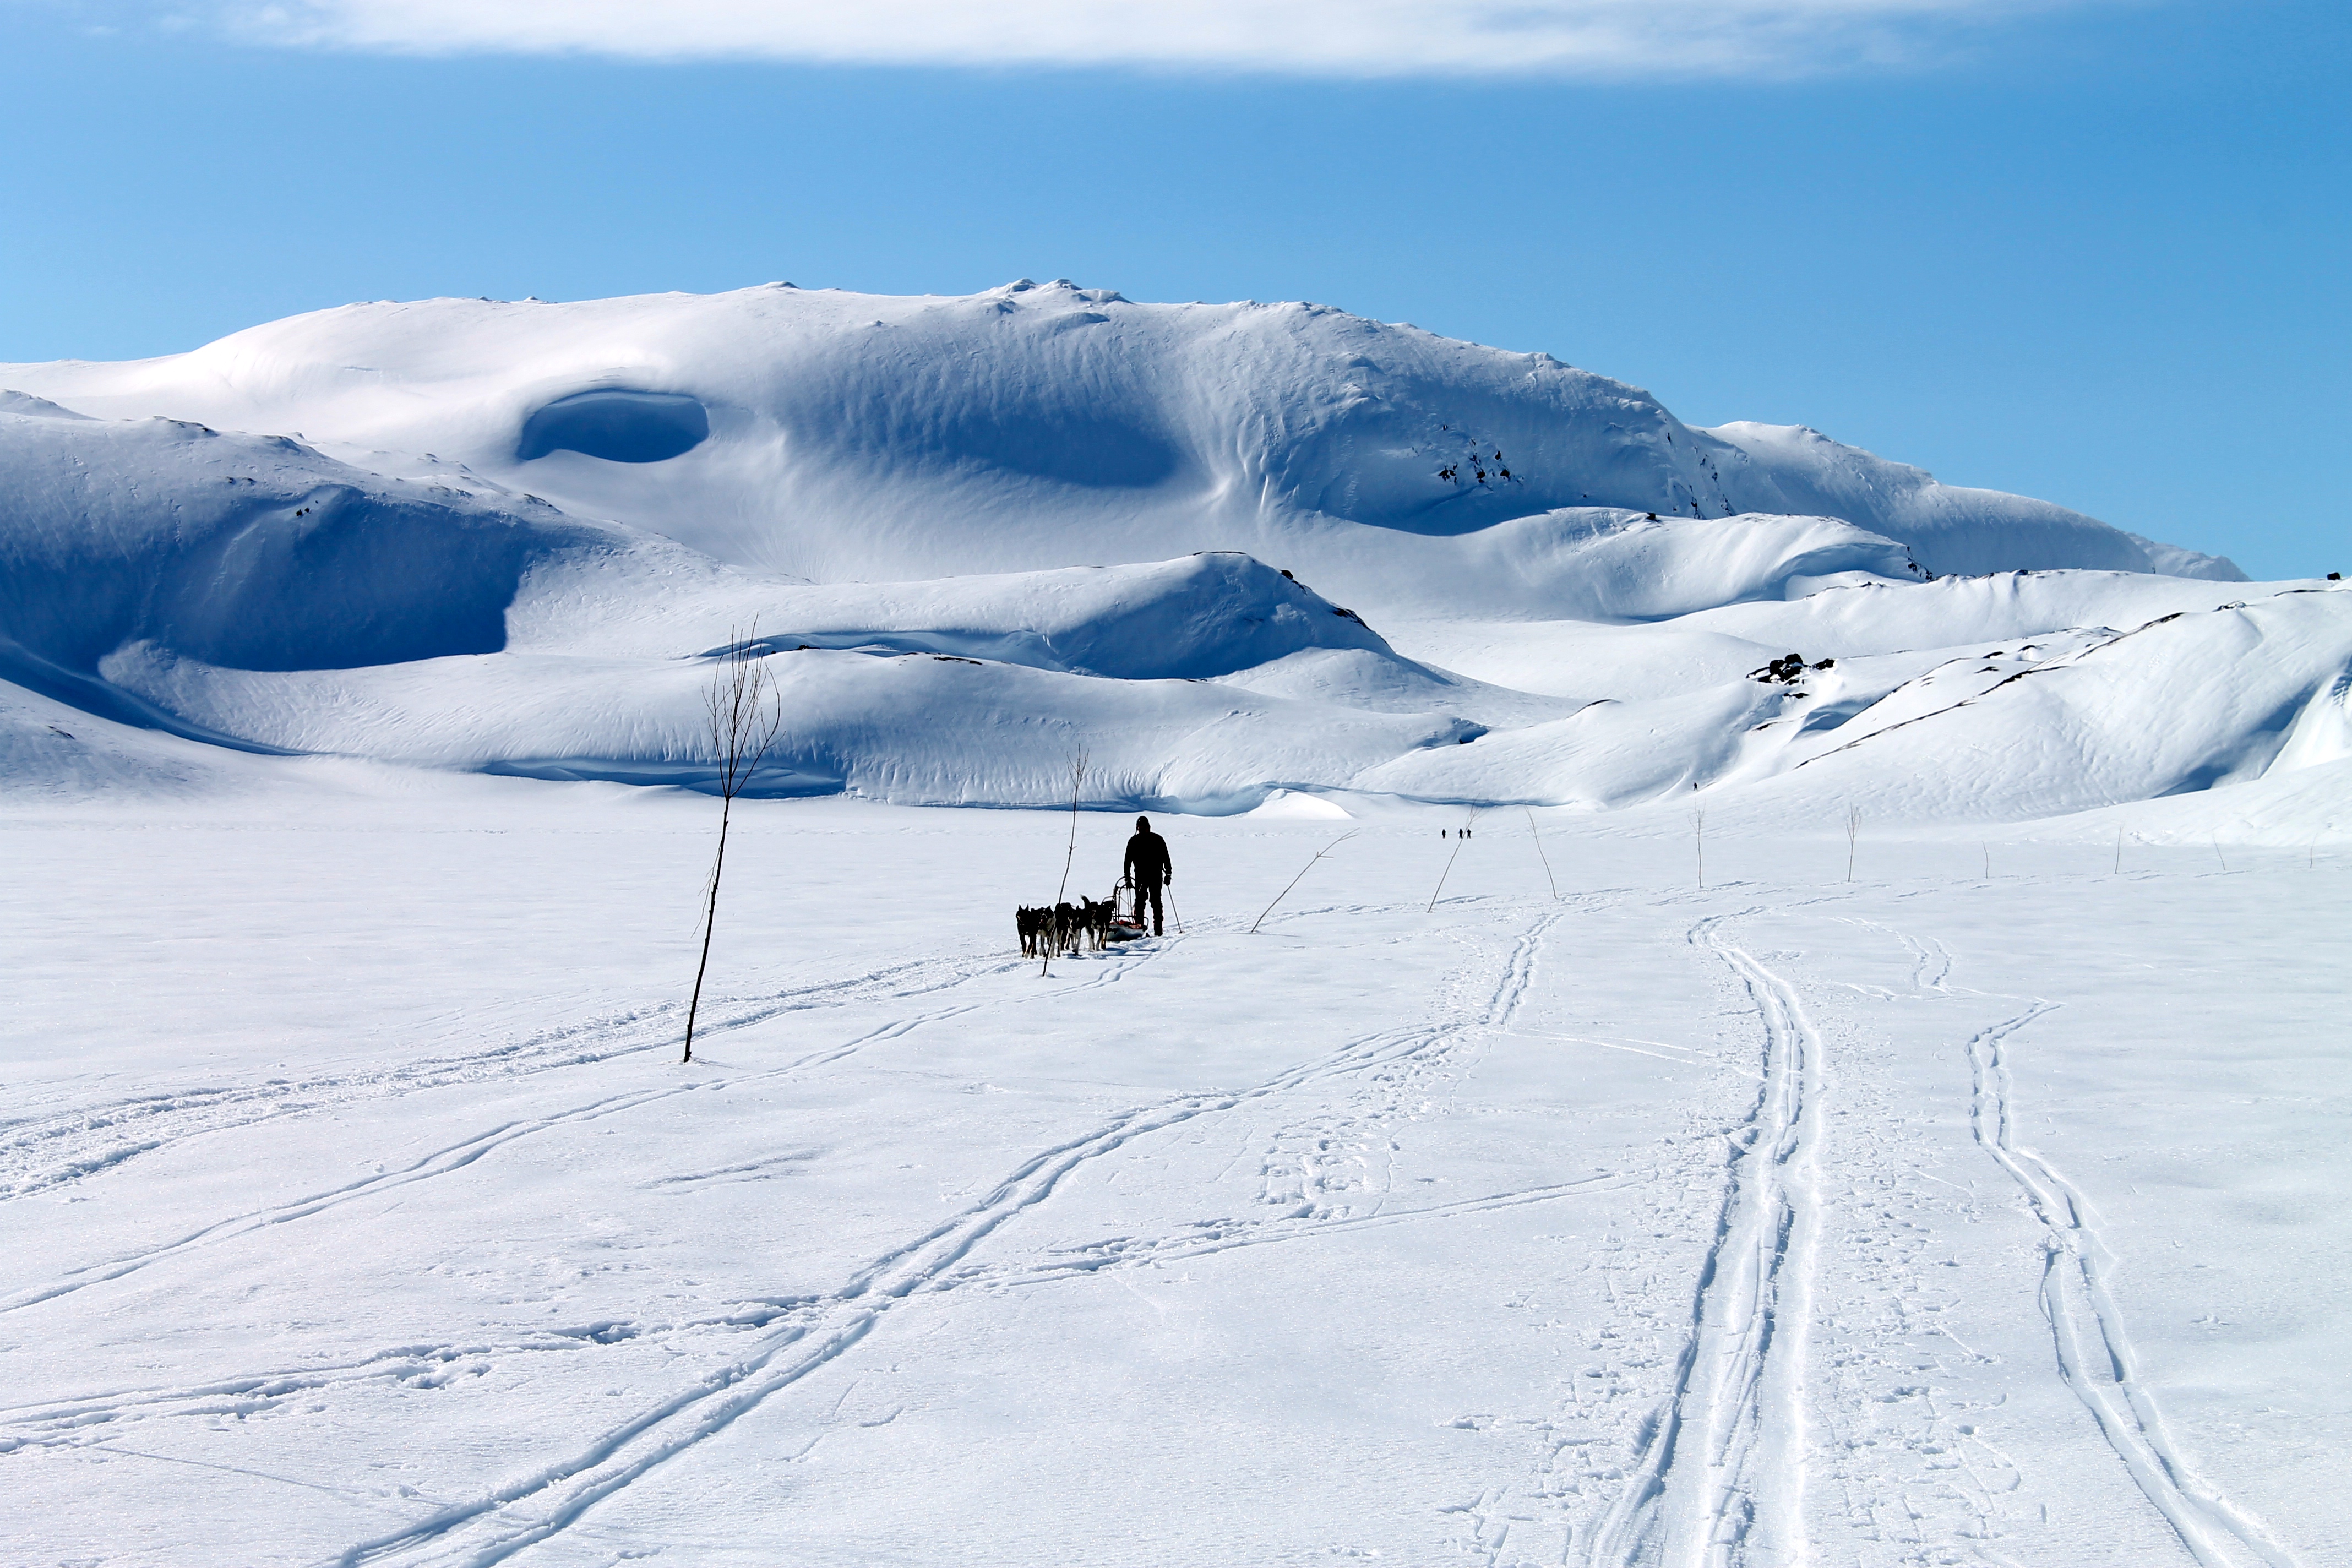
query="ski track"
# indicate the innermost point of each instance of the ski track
(1208, 1237)
(493, 1527)
(2094, 1353)
(40, 1153)
(44, 1152)
(1323, 1163)
(52, 1423)
(1719, 1478)
(458, 1156)
(1931, 962)
(794, 1337)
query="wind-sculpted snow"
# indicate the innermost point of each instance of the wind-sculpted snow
(2184, 703)
(924, 729)
(617, 425)
(248, 553)
(839, 436)
(1699, 1183)
(1226, 552)
(1585, 564)
(1787, 467)
(2040, 726)
(250, 591)
(1201, 616)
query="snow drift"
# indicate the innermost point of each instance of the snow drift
(834, 435)
(1787, 467)
(1230, 551)
(248, 551)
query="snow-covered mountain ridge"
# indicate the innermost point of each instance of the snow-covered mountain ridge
(1228, 550)
(836, 436)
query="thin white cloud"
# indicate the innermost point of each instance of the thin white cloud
(1308, 38)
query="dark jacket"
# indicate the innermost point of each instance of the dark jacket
(1147, 861)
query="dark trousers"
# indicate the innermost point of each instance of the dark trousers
(1149, 893)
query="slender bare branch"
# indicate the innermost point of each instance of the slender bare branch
(746, 714)
(1302, 871)
(1449, 864)
(1077, 782)
(1539, 851)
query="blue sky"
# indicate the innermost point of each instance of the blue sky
(2095, 253)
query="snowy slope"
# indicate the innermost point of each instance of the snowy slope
(836, 436)
(2046, 726)
(250, 591)
(958, 528)
(1874, 1097)
(1787, 467)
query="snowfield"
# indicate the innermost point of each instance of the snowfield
(1867, 1088)
(361, 1212)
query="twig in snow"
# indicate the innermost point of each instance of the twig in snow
(1539, 850)
(1449, 863)
(1077, 782)
(1302, 871)
(745, 713)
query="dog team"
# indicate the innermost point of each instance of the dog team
(1063, 926)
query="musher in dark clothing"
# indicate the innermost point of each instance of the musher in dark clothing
(1147, 866)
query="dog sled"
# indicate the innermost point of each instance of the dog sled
(1126, 913)
(1050, 929)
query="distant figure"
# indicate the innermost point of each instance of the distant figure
(1147, 866)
